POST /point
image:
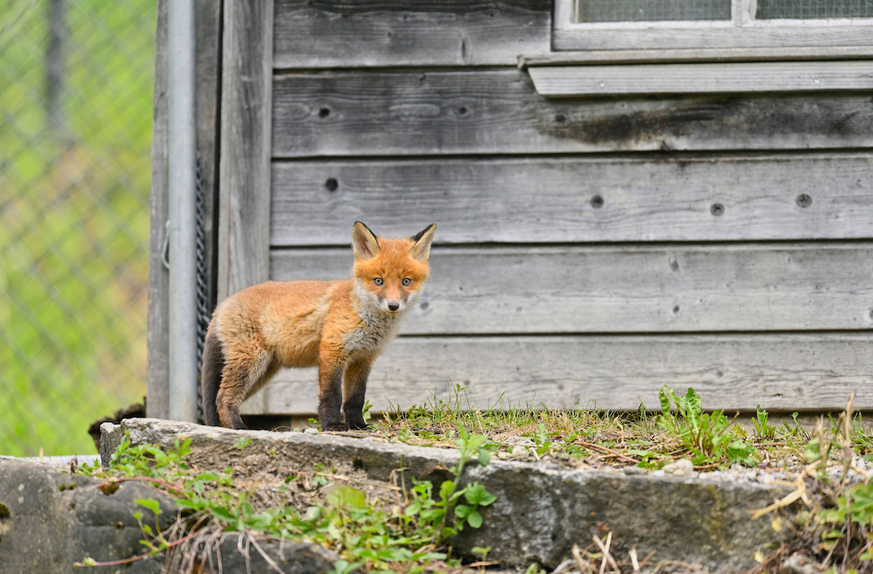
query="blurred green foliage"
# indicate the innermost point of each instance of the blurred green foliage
(74, 187)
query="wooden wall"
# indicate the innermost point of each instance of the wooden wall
(588, 251)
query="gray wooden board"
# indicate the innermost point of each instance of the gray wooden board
(208, 22)
(244, 175)
(158, 369)
(549, 199)
(728, 78)
(779, 372)
(701, 37)
(336, 33)
(498, 111)
(626, 288)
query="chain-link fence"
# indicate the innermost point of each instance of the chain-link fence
(76, 90)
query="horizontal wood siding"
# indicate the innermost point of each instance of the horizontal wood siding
(627, 289)
(734, 372)
(475, 111)
(602, 199)
(339, 33)
(588, 250)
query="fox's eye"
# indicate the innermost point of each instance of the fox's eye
(407, 281)
(378, 281)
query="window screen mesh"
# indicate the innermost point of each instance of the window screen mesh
(808, 9)
(653, 10)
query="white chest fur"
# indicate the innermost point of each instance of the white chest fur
(377, 326)
(377, 331)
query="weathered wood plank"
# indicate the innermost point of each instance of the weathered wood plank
(627, 289)
(208, 27)
(336, 33)
(158, 369)
(603, 199)
(687, 55)
(645, 36)
(244, 176)
(722, 78)
(778, 372)
(499, 112)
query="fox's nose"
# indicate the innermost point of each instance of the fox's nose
(393, 305)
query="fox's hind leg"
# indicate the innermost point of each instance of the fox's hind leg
(355, 386)
(210, 378)
(243, 374)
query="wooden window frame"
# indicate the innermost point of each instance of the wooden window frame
(742, 55)
(741, 32)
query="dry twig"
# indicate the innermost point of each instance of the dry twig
(633, 556)
(583, 565)
(607, 557)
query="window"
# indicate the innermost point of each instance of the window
(709, 24)
(659, 47)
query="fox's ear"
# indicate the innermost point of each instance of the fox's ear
(421, 250)
(364, 242)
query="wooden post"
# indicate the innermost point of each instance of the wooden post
(244, 170)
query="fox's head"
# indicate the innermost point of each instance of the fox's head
(390, 272)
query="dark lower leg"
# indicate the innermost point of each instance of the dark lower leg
(355, 391)
(330, 398)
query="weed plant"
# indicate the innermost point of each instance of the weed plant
(708, 437)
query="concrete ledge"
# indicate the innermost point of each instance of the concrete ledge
(541, 510)
(61, 463)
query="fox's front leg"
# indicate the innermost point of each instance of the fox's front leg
(330, 394)
(355, 389)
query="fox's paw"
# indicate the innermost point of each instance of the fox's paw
(357, 424)
(336, 427)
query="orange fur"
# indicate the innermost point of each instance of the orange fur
(338, 326)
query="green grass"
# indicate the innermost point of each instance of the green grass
(73, 222)
(601, 438)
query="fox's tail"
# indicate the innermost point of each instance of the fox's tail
(210, 378)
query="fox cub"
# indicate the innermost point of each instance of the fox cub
(338, 326)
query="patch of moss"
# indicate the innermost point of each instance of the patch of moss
(4, 511)
(108, 488)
